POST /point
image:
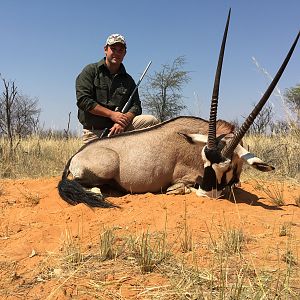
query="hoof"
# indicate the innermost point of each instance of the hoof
(178, 189)
(95, 190)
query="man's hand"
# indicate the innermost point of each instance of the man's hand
(118, 127)
(115, 116)
(119, 118)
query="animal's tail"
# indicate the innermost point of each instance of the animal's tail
(72, 192)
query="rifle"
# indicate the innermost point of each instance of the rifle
(129, 102)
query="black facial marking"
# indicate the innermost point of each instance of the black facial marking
(209, 180)
(213, 155)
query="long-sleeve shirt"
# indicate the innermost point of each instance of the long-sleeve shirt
(95, 85)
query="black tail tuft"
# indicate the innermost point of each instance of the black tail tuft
(73, 193)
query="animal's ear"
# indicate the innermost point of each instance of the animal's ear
(252, 160)
(194, 138)
(262, 166)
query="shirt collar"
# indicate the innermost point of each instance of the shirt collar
(101, 64)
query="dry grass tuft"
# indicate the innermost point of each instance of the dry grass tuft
(274, 192)
(72, 253)
(187, 240)
(149, 250)
(285, 229)
(110, 247)
(289, 258)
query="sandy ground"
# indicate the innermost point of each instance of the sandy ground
(34, 222)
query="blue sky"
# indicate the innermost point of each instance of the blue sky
(45, 44)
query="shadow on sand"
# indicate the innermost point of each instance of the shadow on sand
(242, 196)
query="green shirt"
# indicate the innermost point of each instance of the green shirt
(95, 85)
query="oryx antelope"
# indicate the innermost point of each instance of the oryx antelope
(171, 156)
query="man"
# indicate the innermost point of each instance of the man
(103, 88)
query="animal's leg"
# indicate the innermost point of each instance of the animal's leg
(182, 183)
(178, 189)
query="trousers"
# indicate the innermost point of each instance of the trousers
(138, 122)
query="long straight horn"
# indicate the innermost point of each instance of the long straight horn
(211, 142)
(228, 150)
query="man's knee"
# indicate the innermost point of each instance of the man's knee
(151, 120)
(144, 121)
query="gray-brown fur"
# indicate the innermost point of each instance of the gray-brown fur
(148, 160)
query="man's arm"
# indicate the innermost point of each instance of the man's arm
(85, 89)
(119, 118)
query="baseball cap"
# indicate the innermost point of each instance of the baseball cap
(115, 38)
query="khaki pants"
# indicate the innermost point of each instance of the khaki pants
(139, 122)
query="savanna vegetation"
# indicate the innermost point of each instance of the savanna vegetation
(228, 271)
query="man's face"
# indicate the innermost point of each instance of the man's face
(115, 53)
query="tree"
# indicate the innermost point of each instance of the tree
(162, 91)
(263, 121)
(281, 127)
(19, 114)
(292, 98)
